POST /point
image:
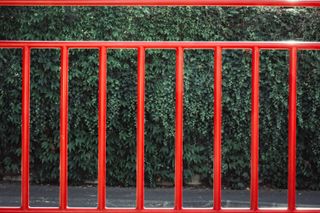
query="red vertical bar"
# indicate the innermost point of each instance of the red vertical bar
(292, 130)
(179, 130)
(25, 127)
(64, 128)
(217, 126)
(102, 129)
(140, 129)
(255, 129)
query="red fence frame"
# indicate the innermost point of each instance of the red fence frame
(255, 47)
(237, 3)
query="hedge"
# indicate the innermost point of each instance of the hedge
(167, 24)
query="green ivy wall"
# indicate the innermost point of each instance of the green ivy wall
(166, 24)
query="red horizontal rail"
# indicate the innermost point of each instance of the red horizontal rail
(158, 210)
(236, 3)
(162, 44)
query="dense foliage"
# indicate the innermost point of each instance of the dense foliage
(168, 24)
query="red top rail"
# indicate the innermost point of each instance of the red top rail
(229, 3)
(280, 45)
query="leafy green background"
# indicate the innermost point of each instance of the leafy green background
(166, 24)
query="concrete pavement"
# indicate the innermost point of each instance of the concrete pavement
(86, 196)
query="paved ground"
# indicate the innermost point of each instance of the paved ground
(86, 196)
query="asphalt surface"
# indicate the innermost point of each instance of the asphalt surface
(86, 196)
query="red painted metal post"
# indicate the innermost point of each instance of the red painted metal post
(255, 129)
(102, 129)
(140, 129)
(25, 127)
(292, 130)
(217, 127)
(179, 131)
(64, 129)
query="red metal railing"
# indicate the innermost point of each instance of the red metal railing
(279, 3)
(255, 47)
